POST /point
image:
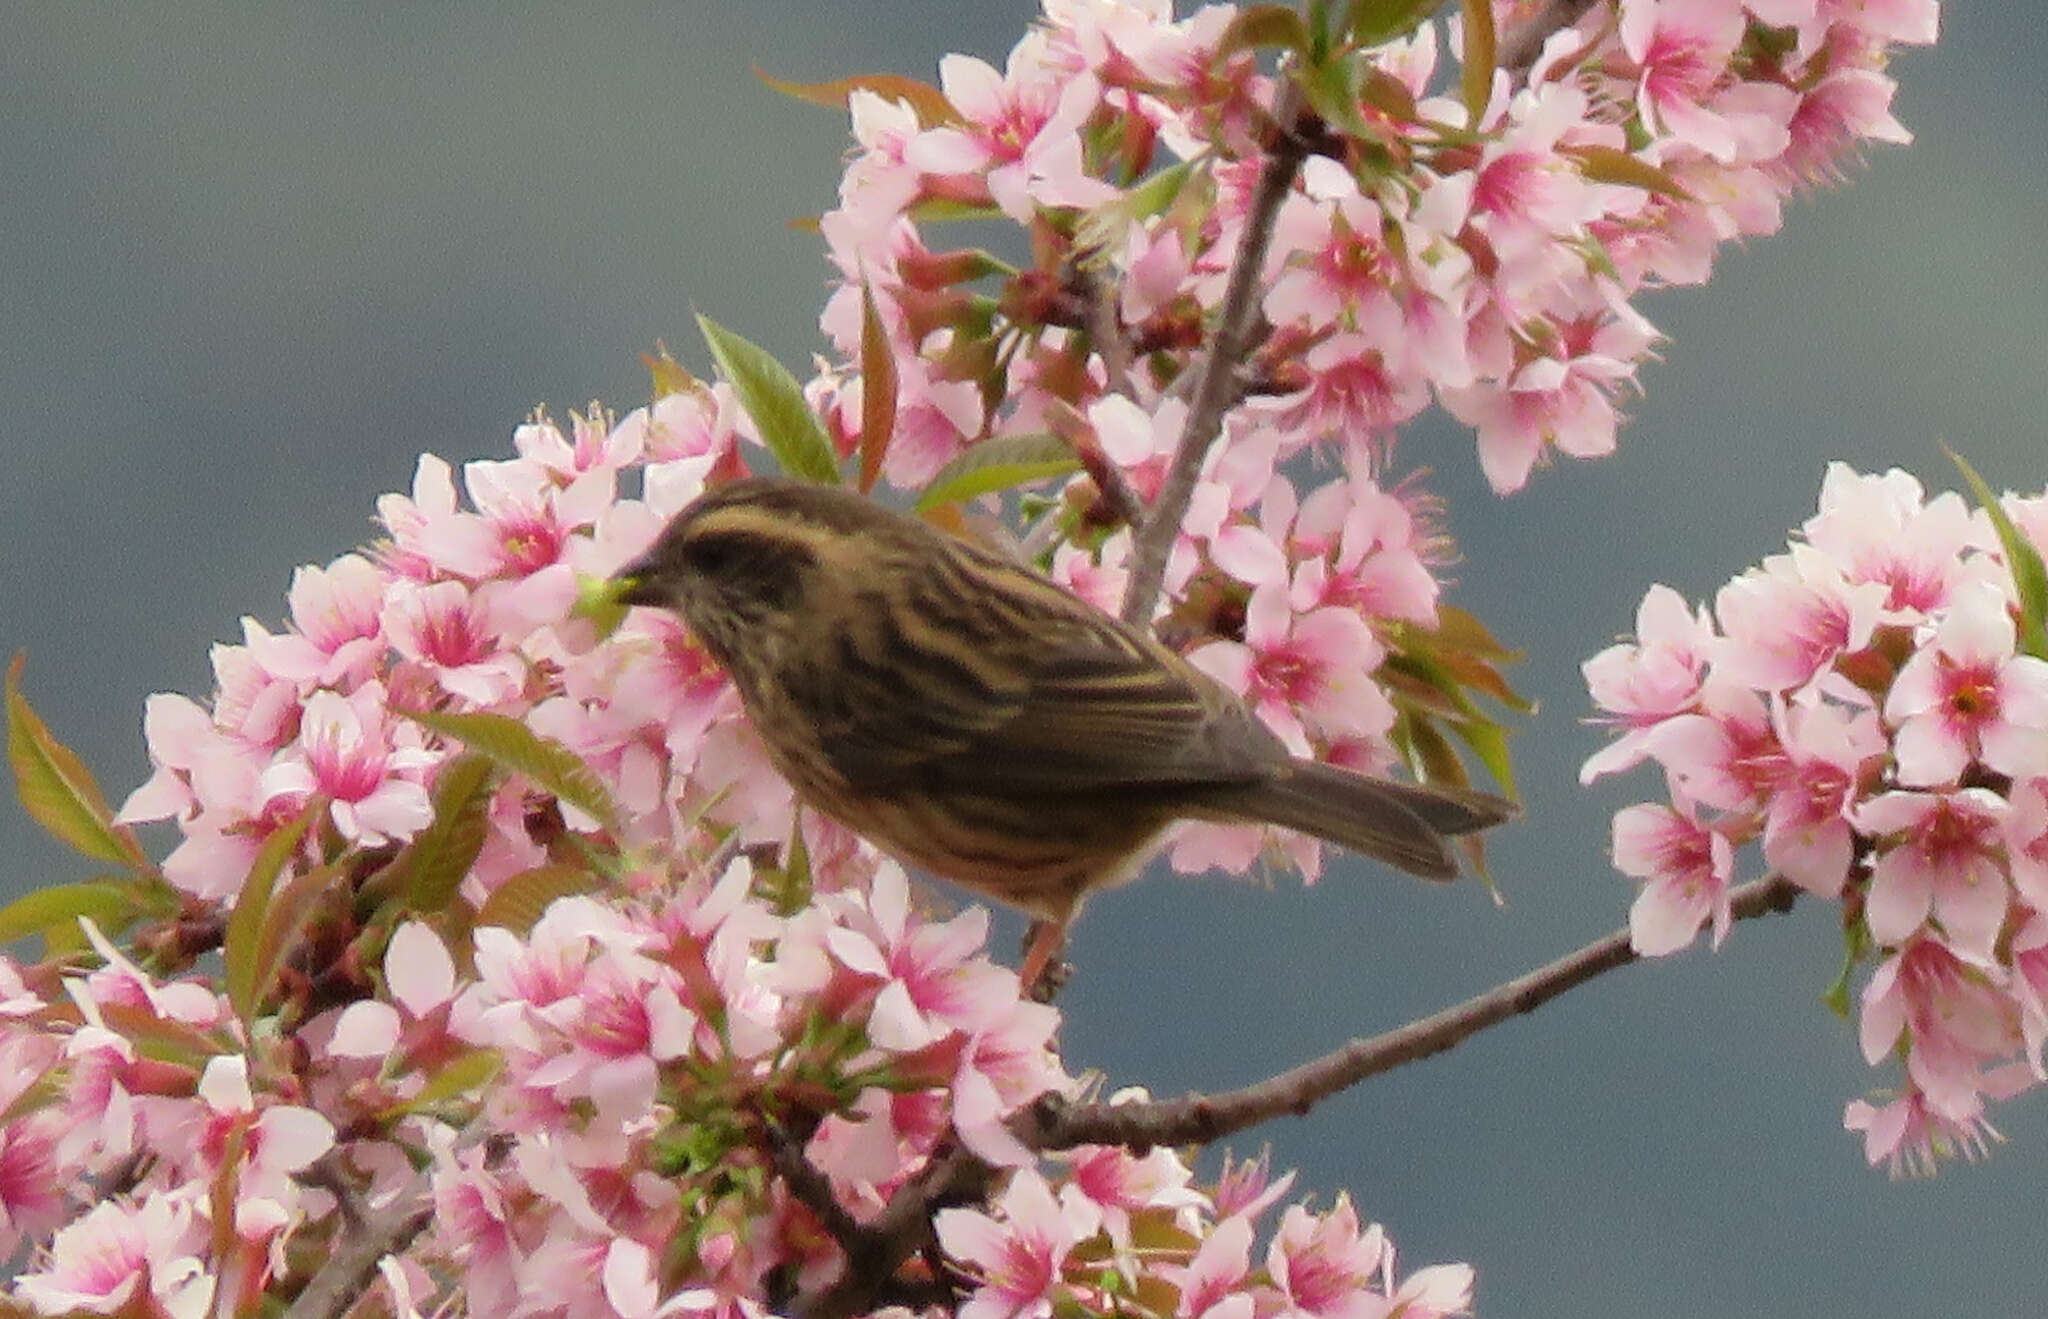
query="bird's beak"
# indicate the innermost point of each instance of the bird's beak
(639, 583)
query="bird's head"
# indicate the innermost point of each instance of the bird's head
(741, 563)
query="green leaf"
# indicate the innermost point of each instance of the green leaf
(1375, 22)
(2020, 557)
(57, 790)
(441, 854)
(1626, 169)
(1332, 89)
(242, 946)
(1476, 78)
(1265, 27)
(109, 904)
(463, 1074)
(1489, 743)
(1104, 227)
(39, 1094)
(999, 464)
(290, 911)
(774, 399)
(518, 748)
(877, 390)
(519, 902)
(935, 210)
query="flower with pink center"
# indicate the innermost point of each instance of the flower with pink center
(529, 517)
(1837, 114)
(1363, 549)
(276, 1141)
(1121, 1183)
(1883, 528)
(1020, 131)
(1303, 672)
(934, 979)
(1965, 695)
(1526, 194)
(1912, 1138)
(1246, 1188)
(475, 1223)
(590, 446)
(1001, 1068)
(119, 1252)
(1951, 1018)
(1684, 87)
(1807, 834)
(1685, 868)
(1353, 389)
(1212, 1285)
(1323, 1267)
(1938, 859)
(1018, 1254)
(1726, 756)
(430, 535)
(1639, 684)
(695, 423)
(32, 1181)
(1561, 399)
(366, 761)
(335, 641)
(539, 979)
(1785, 622)
(455, 634)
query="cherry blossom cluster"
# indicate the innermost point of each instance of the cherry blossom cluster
(689, 1094)
(1479, 255)
(1043, 1248)
(598, 1092)
(1865, 709)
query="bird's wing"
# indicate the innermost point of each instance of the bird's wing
(1053, 697)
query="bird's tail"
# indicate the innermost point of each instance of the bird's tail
(1402, 824)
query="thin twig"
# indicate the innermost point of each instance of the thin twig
(1108, 335)
(1199, 1119)
(902, 1229)
(341, 1281)
(1216, 391)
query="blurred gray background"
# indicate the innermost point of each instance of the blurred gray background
(254, 258)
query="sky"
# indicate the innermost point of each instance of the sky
(252, 263)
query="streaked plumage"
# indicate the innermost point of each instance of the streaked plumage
(978, 721)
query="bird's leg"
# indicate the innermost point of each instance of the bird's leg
(1043, 975)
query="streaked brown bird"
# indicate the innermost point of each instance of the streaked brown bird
(976, 720)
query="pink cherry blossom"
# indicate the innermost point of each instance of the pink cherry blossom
(1018, 1253)
(1966, 696)
(117, 1252)
(1685, 869)
(363, 758)
(1303, 673)
(1938, 860)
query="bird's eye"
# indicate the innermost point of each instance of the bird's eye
(711, 556)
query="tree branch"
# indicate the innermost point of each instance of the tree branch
(1216, 391)
(352, 1266)
(1200, 1119)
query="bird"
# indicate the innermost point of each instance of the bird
(977, 721)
